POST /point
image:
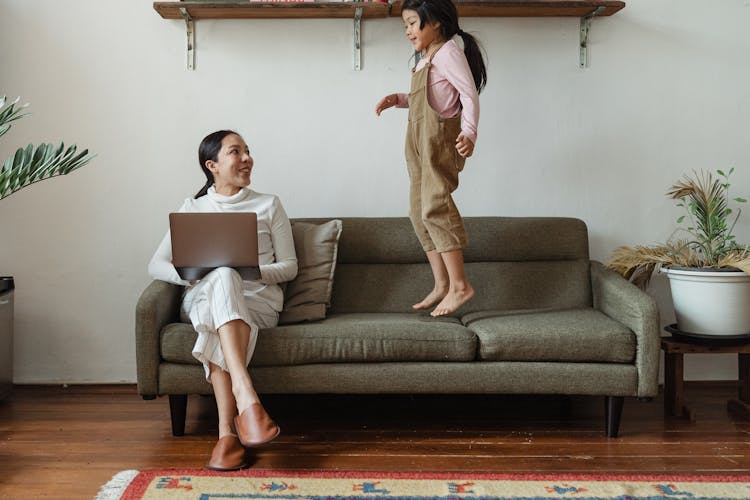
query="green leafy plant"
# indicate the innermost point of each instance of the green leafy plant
(709, 241)
(33, 164)
(706, 201)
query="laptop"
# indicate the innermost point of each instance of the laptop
(201, 242)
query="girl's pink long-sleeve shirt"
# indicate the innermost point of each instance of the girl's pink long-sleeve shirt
(451, 88)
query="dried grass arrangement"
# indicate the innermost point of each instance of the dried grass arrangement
(708, 241)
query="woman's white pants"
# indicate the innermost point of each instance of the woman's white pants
(215, 300)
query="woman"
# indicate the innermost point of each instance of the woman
(226, 311)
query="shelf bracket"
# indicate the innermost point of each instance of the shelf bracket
(358, 39)
(190, 29)
(583, 53)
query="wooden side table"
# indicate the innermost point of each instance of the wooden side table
(6, 336)
(674, 349)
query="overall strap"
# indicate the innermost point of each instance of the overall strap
(440, 45)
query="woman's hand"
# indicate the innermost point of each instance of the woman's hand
(464, 146)
(386, 102)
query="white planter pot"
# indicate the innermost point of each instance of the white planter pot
(711, 303)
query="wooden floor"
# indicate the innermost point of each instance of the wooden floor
(64, 442)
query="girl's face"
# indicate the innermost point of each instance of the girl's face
(232, 166)
(422, 38)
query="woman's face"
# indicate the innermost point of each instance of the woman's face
(232, 166)
(420, 38)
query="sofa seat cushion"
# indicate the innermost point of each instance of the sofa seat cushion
(577, 335)
(345, 338)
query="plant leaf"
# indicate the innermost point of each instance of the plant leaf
(10, 113)
(30, 165)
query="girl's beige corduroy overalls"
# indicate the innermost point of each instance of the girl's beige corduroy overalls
(433, 164)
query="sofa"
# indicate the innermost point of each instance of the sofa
(545, 319)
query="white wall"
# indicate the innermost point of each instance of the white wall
(667, 91)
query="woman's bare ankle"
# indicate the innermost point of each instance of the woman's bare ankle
(226, 431)
(244, 398)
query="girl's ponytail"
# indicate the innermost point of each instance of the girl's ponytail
(473, 54)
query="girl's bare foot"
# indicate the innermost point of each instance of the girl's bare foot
(453, 300)
(436, 295)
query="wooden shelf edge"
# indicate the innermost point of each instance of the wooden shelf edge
(268, 10)
(476, 8)
(529, 8)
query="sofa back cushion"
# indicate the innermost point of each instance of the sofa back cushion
(512, 262)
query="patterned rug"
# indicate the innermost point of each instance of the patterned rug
(314, 485)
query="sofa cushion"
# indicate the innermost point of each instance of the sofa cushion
(363, 337)
(344, 338)
(578, 335)
(391, 240)
(393, 288)
(512, 262)
(308, 295)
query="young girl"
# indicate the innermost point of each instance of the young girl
(442, 130)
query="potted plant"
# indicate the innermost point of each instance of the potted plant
(708, 271)
(27, 166)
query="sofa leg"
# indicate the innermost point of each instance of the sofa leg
(612, 413)
(178, 411)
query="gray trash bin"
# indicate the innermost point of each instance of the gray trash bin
(6, 336)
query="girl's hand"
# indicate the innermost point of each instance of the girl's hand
(464, 146)
(386, 102)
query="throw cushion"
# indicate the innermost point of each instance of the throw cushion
(309, 294)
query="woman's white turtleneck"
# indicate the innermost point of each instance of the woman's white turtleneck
(278, 261)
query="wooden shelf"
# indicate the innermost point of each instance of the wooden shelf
(271, 10)
(194, 10)
(530, 8)
(312, 10)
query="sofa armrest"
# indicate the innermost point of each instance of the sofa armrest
(157, 306)
(634, 308)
